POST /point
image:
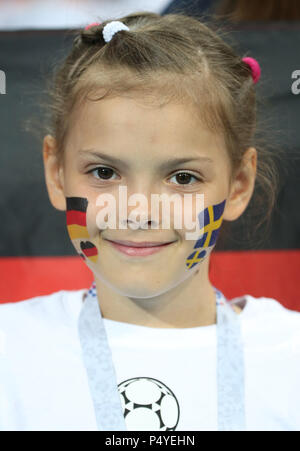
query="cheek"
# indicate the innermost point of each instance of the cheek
(77, 228)
(213, 217)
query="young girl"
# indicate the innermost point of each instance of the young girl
(159, 106)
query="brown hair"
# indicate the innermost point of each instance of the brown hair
(245, 10)
(163, 58)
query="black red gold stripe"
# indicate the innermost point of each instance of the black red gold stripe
(89, 250)
(76, 217)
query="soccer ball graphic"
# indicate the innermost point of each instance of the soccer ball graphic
(148, 405)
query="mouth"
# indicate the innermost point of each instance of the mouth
(133, 248)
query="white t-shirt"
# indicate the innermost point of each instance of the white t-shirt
(166, 377)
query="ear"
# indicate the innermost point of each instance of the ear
(54, 174)
(242, 186)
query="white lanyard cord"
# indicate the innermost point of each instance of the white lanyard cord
(230, 368)
(99, 366)
(102, 378)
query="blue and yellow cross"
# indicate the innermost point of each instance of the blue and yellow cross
(213, 217)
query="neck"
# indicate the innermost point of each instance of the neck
(190, 304)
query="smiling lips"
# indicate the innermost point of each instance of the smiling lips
(144, 248)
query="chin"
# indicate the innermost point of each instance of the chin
(143, 289)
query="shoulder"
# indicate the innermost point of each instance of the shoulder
(267, 306)
(52, 308)
(268, 318)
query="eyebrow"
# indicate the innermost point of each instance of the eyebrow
(167, 164)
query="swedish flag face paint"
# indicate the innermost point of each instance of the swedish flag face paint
(77, 227)
(213, 217)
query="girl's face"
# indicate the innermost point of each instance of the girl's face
(149, 150)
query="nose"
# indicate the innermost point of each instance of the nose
(139, 211)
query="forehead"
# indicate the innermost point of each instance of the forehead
(116, 123)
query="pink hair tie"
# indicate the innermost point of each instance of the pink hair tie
(94, 24)
(255, 68)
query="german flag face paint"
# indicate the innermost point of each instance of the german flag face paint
(213, 217)
(77, 227)
(89, 250)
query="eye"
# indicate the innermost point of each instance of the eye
(105, 173)
(183, 178)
